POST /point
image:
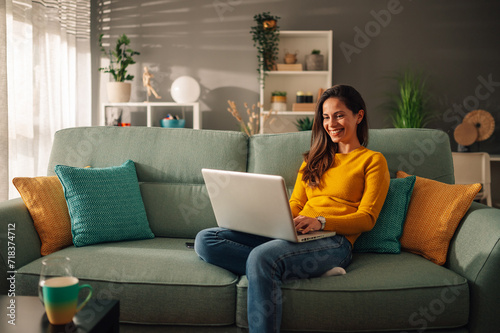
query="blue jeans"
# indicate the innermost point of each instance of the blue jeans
(268, 263)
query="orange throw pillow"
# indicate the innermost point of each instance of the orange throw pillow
(44, 198)
(434, 213)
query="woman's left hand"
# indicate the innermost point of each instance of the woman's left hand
(304, 224)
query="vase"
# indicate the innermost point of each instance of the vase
(290, 58)
(278, 103)
(119, 92)
(314, 62)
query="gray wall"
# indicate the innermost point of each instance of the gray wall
(456, 43)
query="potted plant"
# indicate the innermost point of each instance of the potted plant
(314, 61)
(410, 106)
(265, 36)
(278, 96)
(119, 59)
(304, 124)
(278, 101)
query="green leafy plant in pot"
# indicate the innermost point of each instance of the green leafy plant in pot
(410, 106)
(265, 36)
(278, 96)
(119, 59)
(278, 101)
(304, 124)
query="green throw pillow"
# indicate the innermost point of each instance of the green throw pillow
(385, 235)
(105, 204)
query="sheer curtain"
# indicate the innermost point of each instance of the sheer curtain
(48, 79)
(4, 129)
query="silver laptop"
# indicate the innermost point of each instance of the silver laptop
(254, 203)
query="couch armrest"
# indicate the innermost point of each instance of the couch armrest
(14, 215)
(474, 253)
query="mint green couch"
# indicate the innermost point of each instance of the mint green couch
(161, 282)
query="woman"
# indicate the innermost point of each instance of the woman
(341, 186)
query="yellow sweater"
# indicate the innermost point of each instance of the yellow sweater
(352, 194)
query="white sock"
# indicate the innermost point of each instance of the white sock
(335, 271)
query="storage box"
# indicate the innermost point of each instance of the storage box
(304, 107)
(290, 67)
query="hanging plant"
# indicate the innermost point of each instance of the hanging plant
(265, 36)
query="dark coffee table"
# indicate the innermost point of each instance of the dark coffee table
(96, 316)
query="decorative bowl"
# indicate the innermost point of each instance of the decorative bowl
(173, 123)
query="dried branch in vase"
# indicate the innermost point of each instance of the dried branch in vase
(252, 127)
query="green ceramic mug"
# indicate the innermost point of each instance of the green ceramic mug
(60, 296)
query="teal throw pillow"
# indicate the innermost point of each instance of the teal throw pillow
(105, 204)
(385, 235)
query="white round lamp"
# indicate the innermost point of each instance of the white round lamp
(185, 89)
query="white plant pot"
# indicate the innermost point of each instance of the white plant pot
(119, 92)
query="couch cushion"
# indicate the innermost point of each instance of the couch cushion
(417, 151)
(379, 292)
(278, 154)
(44, 199)
(160, 154)
(435, 211)
(421, 152)
(157, 281)
(169, 168)
(105, 204)
(177, 210)
(385, 235)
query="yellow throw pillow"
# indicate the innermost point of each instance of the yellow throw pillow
(434, 213)
(44, 198)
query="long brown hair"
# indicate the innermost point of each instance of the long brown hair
(321, 155)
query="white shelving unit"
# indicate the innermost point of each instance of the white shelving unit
(197, 117)
(302, 43)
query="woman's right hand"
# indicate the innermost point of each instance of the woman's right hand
(305, 224)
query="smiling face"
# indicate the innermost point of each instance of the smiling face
(341, 124)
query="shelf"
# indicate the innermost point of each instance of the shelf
(306, 33)
(298, 72)
(300, 42)
(289, 113)
(197, 117)
(145, 104)
(495, 158)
